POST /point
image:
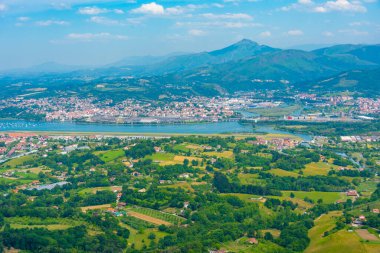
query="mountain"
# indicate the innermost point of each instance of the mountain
(310, 47)
(369, 53)
(366, 81)
(240, 50)
(142, 60)
(245, 65)
(271, 69)
(47, 67)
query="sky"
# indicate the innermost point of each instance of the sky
(93, 33)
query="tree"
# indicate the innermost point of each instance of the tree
(152, 236)
(268, 236)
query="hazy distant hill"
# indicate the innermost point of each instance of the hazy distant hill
(283, 66)
(367, 81)
(240, 50)
(142, 60)
(370, 53)
(244, 65)
(47, 67)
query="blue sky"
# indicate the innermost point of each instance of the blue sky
(84, 32)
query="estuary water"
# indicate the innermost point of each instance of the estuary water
(196, 128)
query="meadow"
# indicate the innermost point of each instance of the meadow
(168, 217)
(341, 241)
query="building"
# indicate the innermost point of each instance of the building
(352, 193)
(253, 241)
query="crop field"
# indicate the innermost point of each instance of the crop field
(245, 197)
(171, 159)
(342, 241)
(194, 146)
(368, 186)
(183, 147)
(327, 197)
(18, 161)
(251, 179)
(181, 158)
(162, 158)
(319, 168)
(93, 190)
(166, 217)
(111, 155)
(283, 173)
(224, 154)
(148, 218)
(37, 170)
(365, 235)
(48, 223)
(141, 237)
(183, 185)
(241, 245)
(86, 208)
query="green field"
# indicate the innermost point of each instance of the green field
(242, 246)
(251, 179)
(339, 242)
(19, 161)
(162, 157)
(327, 197)
(182, 147)
(48, 223)
(111, 155)
(93, 190)
(141, 237)
(174, 219)
(319, 168)
(283, 173)
(367, 187)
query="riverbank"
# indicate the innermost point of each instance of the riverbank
(218, 128)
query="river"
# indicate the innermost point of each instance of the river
(196, 128)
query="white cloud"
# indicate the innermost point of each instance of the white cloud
(61, 6)
(327, 6)
(241, 16)
(305, 2)
(150, 8)
(159, 10)
(265, 34)
(341, 5)
(3, 7)
(196, 32)
(354, 32)
(103, 20)
(328, 34)
(118, 11)
(23, 19)
(217, 5)
(223, 24)
(360, 23)
(51, 22)
(95, 36)
(295, 32)
(93, 10)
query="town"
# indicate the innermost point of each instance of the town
(302, 107)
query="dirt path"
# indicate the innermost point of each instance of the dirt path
(148, 218)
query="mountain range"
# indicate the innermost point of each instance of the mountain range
(245, 65)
